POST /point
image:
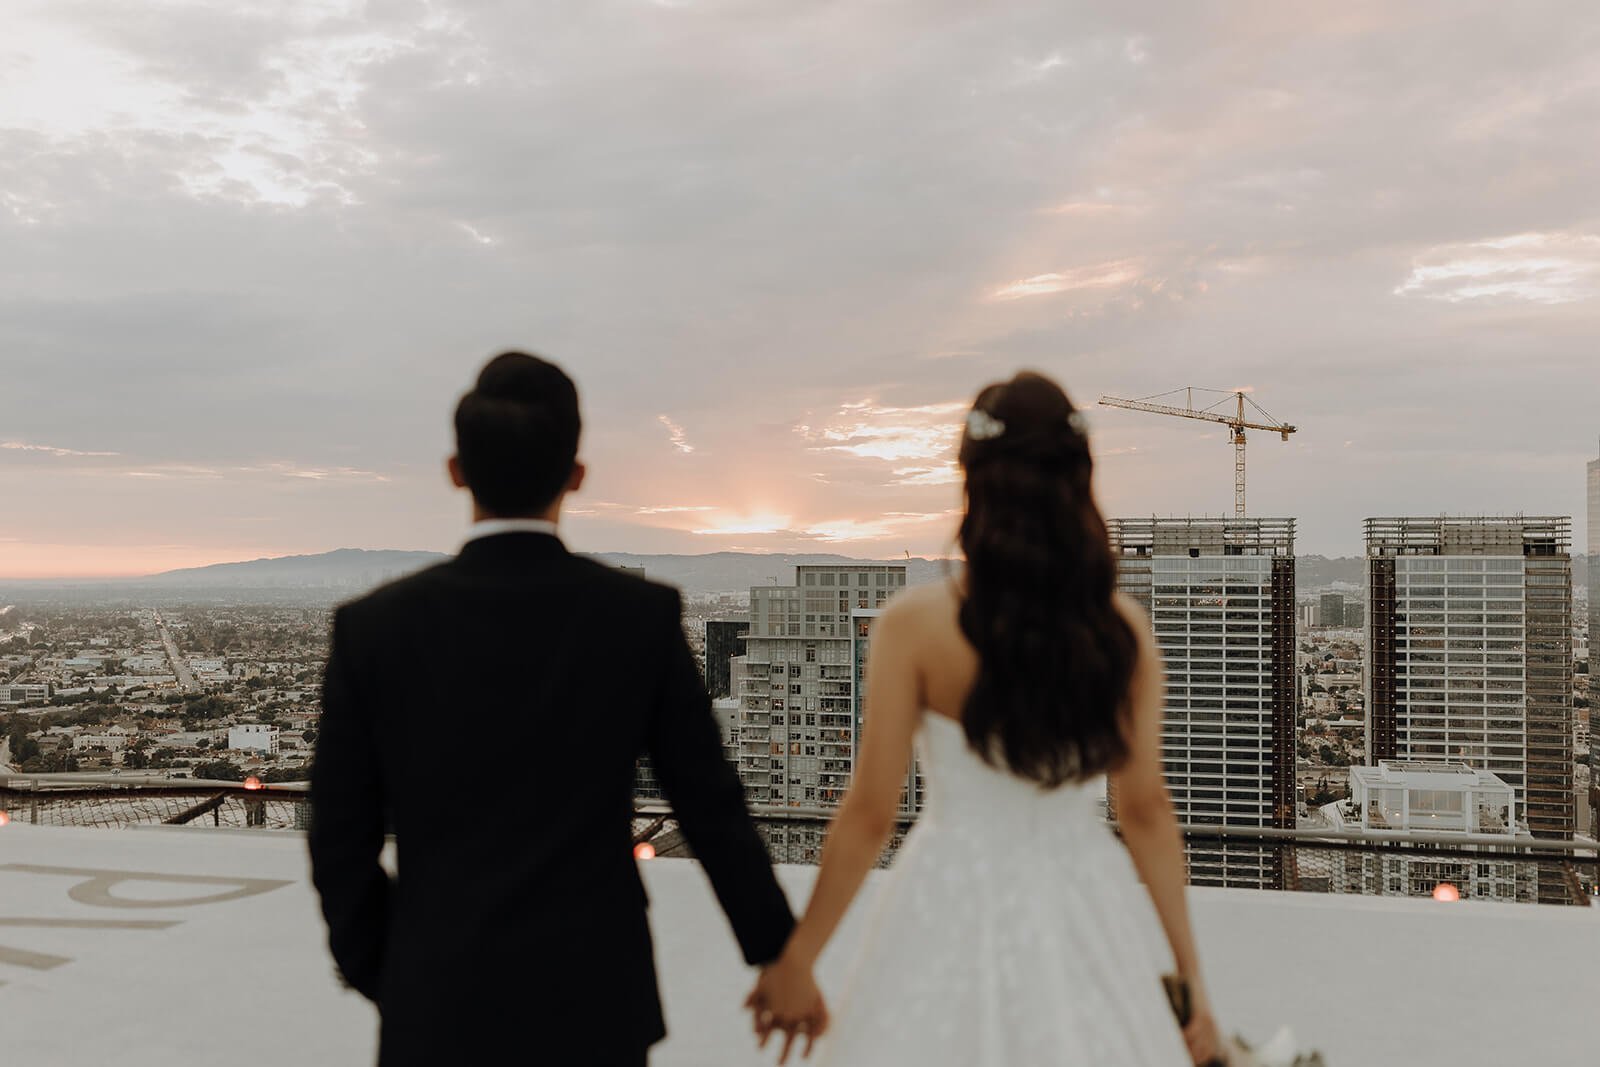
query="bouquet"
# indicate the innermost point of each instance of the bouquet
(1280, 1051)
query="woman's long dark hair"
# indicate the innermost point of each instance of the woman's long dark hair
(1055, 655)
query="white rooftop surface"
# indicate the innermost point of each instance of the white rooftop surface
(1368, 981)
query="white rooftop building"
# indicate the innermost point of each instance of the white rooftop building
(252, 736)
(1424, 797)
(1431, 796)
(112, 739)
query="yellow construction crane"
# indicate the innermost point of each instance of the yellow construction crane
(1235, 421)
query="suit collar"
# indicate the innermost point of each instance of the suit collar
(492, 527)
(510, 546)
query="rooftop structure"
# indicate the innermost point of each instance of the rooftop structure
(1433, 800)
(1412, 795)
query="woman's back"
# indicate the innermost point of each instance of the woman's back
(961, 789)
(1012, 929)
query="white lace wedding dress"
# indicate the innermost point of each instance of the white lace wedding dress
(1011, 931)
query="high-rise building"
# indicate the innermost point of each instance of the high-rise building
(1354, 613)
(647, 787)
(724, 641)
(1593, 545)
(911, 796)
(797, 681)
(800, 692)
(1221, 598)
(1469, 639)
(1332, 610)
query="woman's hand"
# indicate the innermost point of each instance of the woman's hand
(1201, 1035)
(786, 998)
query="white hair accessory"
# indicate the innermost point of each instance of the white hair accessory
(982, 426)
(1079, 424)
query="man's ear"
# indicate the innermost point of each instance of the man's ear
(575, 481)
(457, 479)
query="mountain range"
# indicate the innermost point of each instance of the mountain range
(349, 569)
(356, 568)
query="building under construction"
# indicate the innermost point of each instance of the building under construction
(1469, 638)
(1221, 598)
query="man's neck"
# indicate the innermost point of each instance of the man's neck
(552, 515)
(493, 526)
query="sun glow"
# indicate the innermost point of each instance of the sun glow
(735, 525)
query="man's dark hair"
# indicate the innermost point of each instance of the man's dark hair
(517, 434)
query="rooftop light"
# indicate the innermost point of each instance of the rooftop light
(644, 850)
(252, 782)
(4, 818)
(1446, 892)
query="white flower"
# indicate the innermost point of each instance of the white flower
(982, 426)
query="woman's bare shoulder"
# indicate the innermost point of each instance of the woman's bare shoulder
(922, 605)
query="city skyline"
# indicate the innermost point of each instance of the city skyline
(254, 254)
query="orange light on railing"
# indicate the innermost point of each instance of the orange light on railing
(252, 782)
(4, 818)
(1446, 892)
(644, 850)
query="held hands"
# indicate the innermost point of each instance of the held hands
(786, 998)
(1202, 1037)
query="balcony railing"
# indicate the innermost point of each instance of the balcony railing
(81, 800)
(1376, 863)
(1372, 863)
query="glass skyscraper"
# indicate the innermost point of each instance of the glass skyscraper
(1593, 545)
(1221, 598)
(1469, 638)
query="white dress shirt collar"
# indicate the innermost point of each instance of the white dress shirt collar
(491, 527)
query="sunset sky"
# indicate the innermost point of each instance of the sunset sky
(253, 252)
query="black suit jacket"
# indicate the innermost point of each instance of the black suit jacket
(490, 711)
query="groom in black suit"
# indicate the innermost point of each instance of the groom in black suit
(515, 931)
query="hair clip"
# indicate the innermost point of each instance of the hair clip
(1079, 424)
(982, 426)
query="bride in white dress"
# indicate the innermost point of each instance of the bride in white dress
(1014, 929)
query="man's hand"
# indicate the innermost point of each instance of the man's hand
(786, 998)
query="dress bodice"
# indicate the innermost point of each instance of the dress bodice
(964, 793)
(1011, 931)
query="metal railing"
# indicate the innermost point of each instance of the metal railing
(1379, 863)
(1372, 863)
(80, 800)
